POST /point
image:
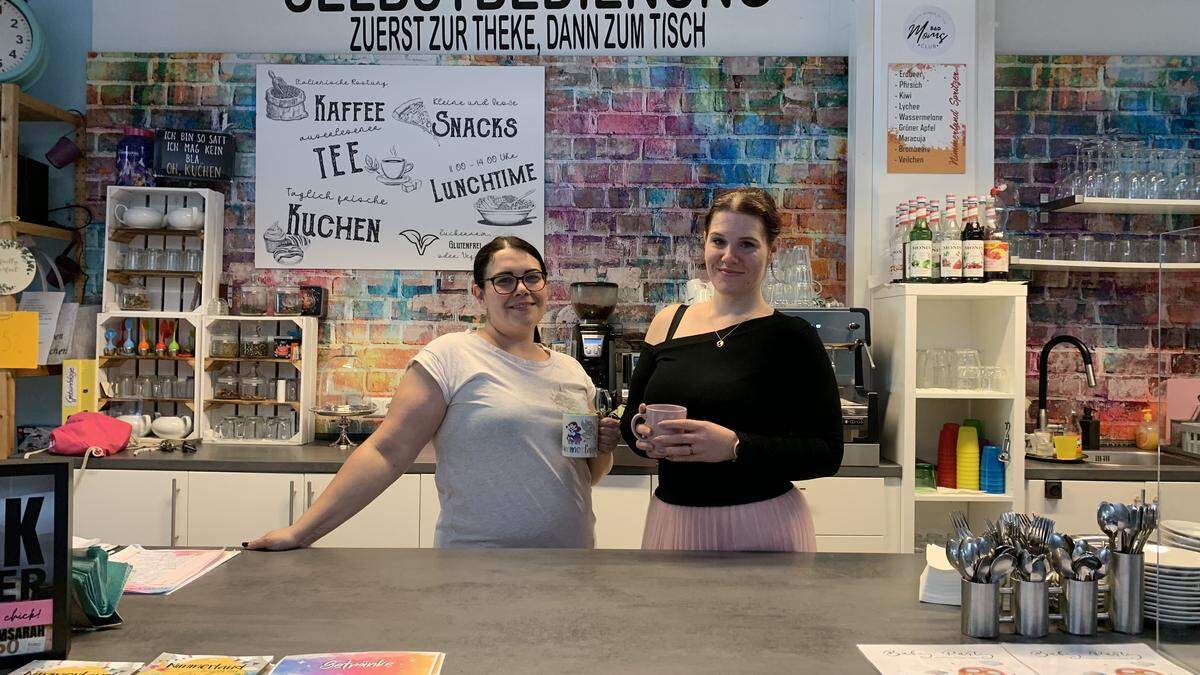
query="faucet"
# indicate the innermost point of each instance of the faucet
(1042, 367)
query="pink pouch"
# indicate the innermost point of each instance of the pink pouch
(90, 430)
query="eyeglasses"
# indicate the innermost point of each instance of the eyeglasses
(505, 284)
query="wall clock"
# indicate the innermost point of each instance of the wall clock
(22, 44)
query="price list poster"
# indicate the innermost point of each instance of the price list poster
(927, 129)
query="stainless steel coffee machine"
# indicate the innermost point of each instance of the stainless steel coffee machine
(846, 332)
(594, 302)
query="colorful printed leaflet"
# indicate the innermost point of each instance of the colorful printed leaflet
(363, 663)
(167, 570)
(78, 668)
(185, 664)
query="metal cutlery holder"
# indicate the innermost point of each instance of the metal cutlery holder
(1031, 608)
(1126, 590)
(1079, 610)
(980, 609)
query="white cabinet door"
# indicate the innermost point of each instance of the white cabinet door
(431, 508)
(1075, 512)
(226, 509)
(392, 520)
(849, 514)
(131, 507)
(1178, 501)
(620, 504)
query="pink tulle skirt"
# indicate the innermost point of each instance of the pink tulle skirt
(780, 524)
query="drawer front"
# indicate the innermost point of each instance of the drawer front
(847, 506)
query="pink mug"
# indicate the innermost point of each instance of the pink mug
(656, 413)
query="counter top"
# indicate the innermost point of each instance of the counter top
(557, 611)
(319, 457)
(1178, 469)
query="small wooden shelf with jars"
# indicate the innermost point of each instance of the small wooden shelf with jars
(249, 362)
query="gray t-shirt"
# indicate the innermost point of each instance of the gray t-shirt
(501, 477)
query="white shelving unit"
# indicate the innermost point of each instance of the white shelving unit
(990, 317)
(1095, 265)
(169, 291)
(1078, 204)
(304, 370)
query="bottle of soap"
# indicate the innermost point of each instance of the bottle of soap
(1147, 432)
(1089, 430)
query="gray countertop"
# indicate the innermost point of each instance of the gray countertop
(546, 611)
(320, 458)
(1176, 469)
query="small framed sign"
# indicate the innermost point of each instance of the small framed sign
(35, 575)
(191, 154)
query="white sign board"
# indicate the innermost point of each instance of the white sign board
(927, 126)
(395, 167)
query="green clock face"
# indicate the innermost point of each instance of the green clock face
(22, 48)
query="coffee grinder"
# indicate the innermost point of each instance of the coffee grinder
(594, 302)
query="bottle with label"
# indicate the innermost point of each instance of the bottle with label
(935, 226)
(951, 245)
(972, 239)
(896, 252)
(995, 247)
(920, 247)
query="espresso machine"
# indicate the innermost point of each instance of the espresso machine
(594, 302)
(846, 333)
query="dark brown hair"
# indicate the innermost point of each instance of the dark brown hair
(484, 256)
(752, 202)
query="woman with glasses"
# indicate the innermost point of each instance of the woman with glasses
(762, 402)
(491, 401)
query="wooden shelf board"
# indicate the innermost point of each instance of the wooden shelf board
(1077, 204)
(45, 231)
(123, 276)
(991, 289)
(212, 403)
(103, 401)
(963, 394)
(104, 361)
(212, 363)
(40, 371)
(34, 110)
(1095, 265)
(961, 497)
(125, 235)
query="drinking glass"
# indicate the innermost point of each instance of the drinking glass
(239, 427)
(284, 429)
(254, 426)
(937, 369)
(1086, 248)
(968, 378)
(136, 259)
(966, 357)
(126, 387)
(1124, 251)
(1093, 178)
(1054, 248)
(160, 387)
(173, 260)
(193, 260)
(924, 476)
(157, 259)
(922, 376)
(993, 378)
(145, 387)
(1181, 180)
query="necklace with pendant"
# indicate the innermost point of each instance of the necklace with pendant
(721, 338)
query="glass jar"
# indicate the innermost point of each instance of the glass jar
(288, 301)
(223, 340)
(255, 345)
(253, 386)
(134, 297)
(228, 385)
(252, 300)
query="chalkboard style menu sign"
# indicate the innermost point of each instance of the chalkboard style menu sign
(35, 579)
(190, 154)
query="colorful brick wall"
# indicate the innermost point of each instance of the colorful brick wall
(635, 149)
(1044, 105)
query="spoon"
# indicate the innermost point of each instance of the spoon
(1002, 566)
(1062, 563)
(1039, 568)
(1107, 520)
(1085, 568)
(1124, 522)
(952, 555)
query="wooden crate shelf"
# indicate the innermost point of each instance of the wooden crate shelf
(214, 362)
(124, 235)
(44, 231)
(212, 403)
(106, 361)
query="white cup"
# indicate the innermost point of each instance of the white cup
(655, 414)
(580, 434)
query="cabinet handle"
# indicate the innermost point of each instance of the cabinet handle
(174, 500)
(309, 498)
(291, 502)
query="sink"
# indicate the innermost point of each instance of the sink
(1126, 457)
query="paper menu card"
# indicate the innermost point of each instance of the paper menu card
(164, 571)
(185, 664)
(1126, 659)
(362, 663)
(18, 339)
(78, 668)
(973, 659)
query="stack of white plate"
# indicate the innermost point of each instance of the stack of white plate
(1181, 534)
(1172, 584)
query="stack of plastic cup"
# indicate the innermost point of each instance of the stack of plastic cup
(991, 471)
(947, 463)
(967, 459)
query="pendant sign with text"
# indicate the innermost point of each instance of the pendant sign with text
(396, 167)
(927, 128)
(190, 154)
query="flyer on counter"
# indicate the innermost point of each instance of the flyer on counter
(191, 664)
(79, 668)
(164, 571)
(924, 659)
(1130, 659)
(362, 663)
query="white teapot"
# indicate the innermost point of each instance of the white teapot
(140, 423)
(173, 428)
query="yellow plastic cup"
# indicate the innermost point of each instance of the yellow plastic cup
(1066, 446)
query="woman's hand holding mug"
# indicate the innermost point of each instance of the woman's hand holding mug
(610, 435)
(645, 426)
(684, 440)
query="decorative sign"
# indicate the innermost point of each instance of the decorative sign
(394, 167)
(927, 128)
(17, 267)
(929, 30)
(36, 579)
(193, 155)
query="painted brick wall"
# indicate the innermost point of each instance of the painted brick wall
(1043, 106)
(635, 149)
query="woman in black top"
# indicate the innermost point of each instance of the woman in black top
(762, 401)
